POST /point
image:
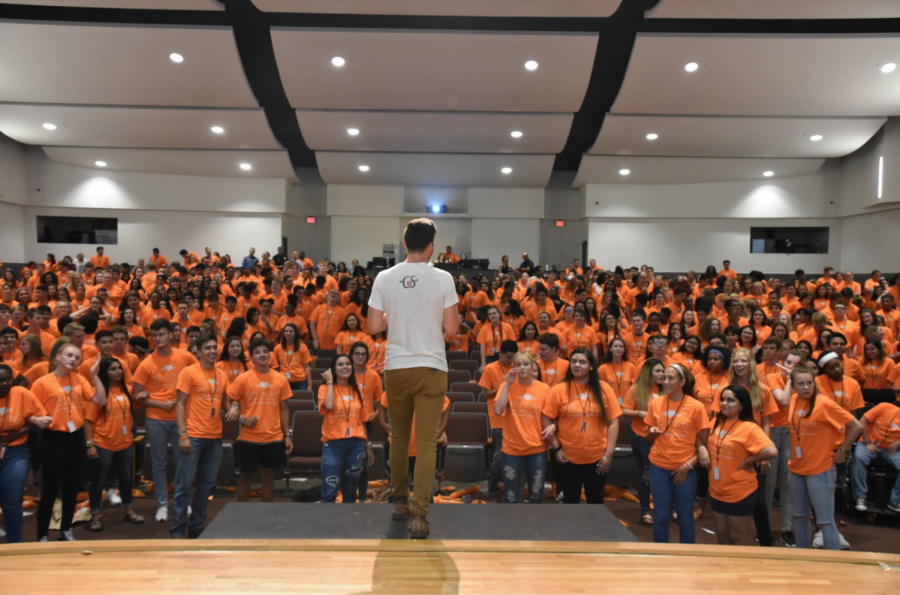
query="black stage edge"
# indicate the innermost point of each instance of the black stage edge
(514, 522)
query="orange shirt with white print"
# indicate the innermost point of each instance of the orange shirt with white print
(630, 402)
(328, 323)
(729, 446)
(583, 434)
(529, 347)
(708, 387)
(777, 382)
(493, 378)
(348, 418)
(492, 337)
(769, 406)
(260, 396)
(63, 399)
(846, 393)
(205, 389)
(346, 339)
(879, 375)
(679, 423)
(370, 384)
(554, 372)
(522, 419)
(377, 355)
(813, 438)
(619, 377)
(579, 337)
(113, 423)
(884, 424)
(292, 363)
(17, 406)
(159, 376)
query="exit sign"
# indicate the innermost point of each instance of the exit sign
(310, 219)
(560, 223)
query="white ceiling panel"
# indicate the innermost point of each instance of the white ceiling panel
(776, 9)
(468, 8)
(601, 169)
(223, 164)
(131, 4)
(719, 136)
(762, 76)
(106, 65)
(136, 127)
(431, 169)
(403, 70)
(434, 132)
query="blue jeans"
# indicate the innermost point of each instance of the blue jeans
(641, 449)
(494, 469)
(342, 462)
(120, 464)
(162, 434)
(518, 470)
(197, 472)
(778, 473)
(13, 473)
(861, 463)
(814, 492)
(664, 491)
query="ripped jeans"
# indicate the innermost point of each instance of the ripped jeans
(342, 462)
(531, 469)
(814, 493)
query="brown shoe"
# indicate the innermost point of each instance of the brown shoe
(698, 514)
(401, 509)
(418, 527)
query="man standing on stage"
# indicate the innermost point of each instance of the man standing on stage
(416, 304)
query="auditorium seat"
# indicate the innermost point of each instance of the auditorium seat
(327, 353)
(322, 363)
(475, 356)
(294, 405)
(304, 395)
(468, 387)
(314, 386)
(311, 346)
(455, 356)
(466, 454)
(880, 479)
(468, 365)
(315, 374)
(306, 456)
(470, 408)
(228, 467)
(460, 398)
(454, 376)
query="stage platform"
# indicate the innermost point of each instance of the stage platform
(344, 567)
(518, 522)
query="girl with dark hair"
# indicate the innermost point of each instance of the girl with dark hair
(293, 357)
(528, 339)
(587, 413)
(238, 328)
(110, 428)
(616, 370)
(350, 333)
(878, 368)
(637, 400)
(233, 359)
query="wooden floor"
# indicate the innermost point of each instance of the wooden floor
(336, 567)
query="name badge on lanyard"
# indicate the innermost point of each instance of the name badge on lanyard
(799, 452)
(71, 426)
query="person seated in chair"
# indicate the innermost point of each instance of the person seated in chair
(880, 440)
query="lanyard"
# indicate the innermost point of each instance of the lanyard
(124, 406)
(65, 394)
(791, 414)
(670, 420)
(834, 392)
(720, 438)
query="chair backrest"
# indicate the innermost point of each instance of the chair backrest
(322, 363)
(470, 408)
(467, 428)
(475, 356)
(467, 365)
(455, 356)
(878, 395)
(311, 346)
(460, 398)
(306, 395)
(307, 434)
(378, 435)
(459, 376)
(332, 353)
(230, 430)
(315, 374)
(295, 405)
(314, 386)
(467, 387)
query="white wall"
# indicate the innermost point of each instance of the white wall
(560, 245)
(12, 171)
(12, 238)
(356, 201)
(871, 241)
(308, 199)
(492, 238)
(455, 232)
(362, 237)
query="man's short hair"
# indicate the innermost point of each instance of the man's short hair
(419, 233)
(550, 340)
(509, 346)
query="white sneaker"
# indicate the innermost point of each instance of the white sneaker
(2, 533)
(818, 540)
(162, 514)
(861, 505)
(66, 536)
(113, 498)
(43, 539)
(845, 545)
(894, 506)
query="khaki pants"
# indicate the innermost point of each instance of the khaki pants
(419, 392)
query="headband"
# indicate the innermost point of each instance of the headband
(717, 351)
(827, 358)
(680, 370)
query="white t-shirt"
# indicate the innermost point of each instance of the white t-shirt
(414, 296)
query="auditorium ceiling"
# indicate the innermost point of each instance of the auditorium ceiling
(497, 93)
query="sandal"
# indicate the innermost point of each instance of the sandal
(647, 519)
(133, 518)
(95, 526)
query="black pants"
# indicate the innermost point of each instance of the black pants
(62, 462)
(703, 484)
(363, 488)
(761, 512)
(572, 477)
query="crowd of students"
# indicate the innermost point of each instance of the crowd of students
(733, 385)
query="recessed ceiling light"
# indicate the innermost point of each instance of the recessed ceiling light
(218, 130)
(506, 171)
(338, 61)
(49, 126)
(353, 131)
(246, 166)
(364, 168)
(815, 138)
(516, 134)
(769, 173)
(531, 65)
(889, 68)
(691, 66)
(652, 136)
(100, 163)
(624, 172)
(176, 57)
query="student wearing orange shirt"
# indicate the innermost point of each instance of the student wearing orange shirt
(110, 429)
(880, 371)
(635, 404)
(587, 412)
(492, 380)
(326, 320)
(880, 440)
(100, 260)
(519, 403)
(350, 334)
(492, 335)
(260, 394)
(581, 335)
(202, 396)
(292, 358)
(21, 411)
(677, 424)
(528, 340)
(815, 422)
(616, 371)
(460, 340)
(737, 446)
(370, 385)
(233, 359)
(63, 394)
(154, 388)
(553, 368)
(346, 445)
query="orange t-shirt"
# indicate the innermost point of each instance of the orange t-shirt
(708, 387)
(638, 426)
(680, 422)
(296, 319)
(292, 363)
(882, 375)
(777, 382)
(203, 409)
(769, 406)
(346, 339)
(64, 399)
(85, 368)
(729, 446)
(457, 342)
(413, 449)
(492, 337)
(371, 387)
(814, 437)
(845, 393)
(232, 370)
(553, 373)
(377, 355)
(529, 347)
(112, 424)
(579, 337)
(884, 424)
(619, 377)
(37, 371)
(159, 376)
(522, 418)
(349, 416)
(260, 396)
(635, 347)
(582, 432)
(328, 323)
(493, 377)
(15, 408)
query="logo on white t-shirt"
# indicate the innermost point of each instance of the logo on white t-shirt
(409, 281)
